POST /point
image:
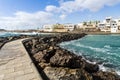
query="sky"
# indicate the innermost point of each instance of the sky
(33, 14)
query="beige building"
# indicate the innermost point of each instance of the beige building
(48, 28)
(58, 27)
(88, 26)
(69, 27)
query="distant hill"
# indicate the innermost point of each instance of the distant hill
(2, 30)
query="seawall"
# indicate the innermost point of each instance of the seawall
(56, 63)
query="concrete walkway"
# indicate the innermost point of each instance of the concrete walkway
(15, 63)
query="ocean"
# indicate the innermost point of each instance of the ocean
(7, 34)
(101, 49)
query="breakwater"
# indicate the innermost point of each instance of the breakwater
(56, 63)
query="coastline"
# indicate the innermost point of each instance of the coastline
(4, 40)
(91, 70)
(95, 33)
(97, 74)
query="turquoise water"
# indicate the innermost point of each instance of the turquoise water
(6, 34)
(102, 49)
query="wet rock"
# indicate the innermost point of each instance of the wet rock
(10, 38)
(91, 68)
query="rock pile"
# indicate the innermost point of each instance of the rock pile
(60, 64)
(4, 40)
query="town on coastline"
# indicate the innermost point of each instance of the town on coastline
(47, 60)
(109, 25)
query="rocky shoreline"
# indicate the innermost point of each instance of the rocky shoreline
(56, 63)
(4, 40)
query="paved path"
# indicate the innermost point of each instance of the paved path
(15, 63)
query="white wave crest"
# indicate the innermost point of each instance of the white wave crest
(92, 48)
(107, 46)
(103, 68)
(118, 72)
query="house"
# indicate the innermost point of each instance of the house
(48, 28)
(69, 27)
(80, 25)
(114, 27)
(109, 25)
(118, 24)
(105, 25)
(88, 26)
(59, 28)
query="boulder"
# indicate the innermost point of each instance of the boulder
(44, 65)
(91, 68)
(100, 75)
(44, 56)
(60, 73)
(39, 56)
(28, 46)
(65, 59)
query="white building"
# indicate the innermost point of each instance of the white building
(58, 27)
(101, 26)
(109, 25)
(69, 27)
(48, 28)
(114, 27)
(80, 25)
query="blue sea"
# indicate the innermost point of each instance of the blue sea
(7, 34)
(101, 49)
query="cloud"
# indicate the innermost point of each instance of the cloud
(80, 5)
(63, 16)
(51, 8)
(24, 20)
(52, 13)
(67, 7)
(95, 5)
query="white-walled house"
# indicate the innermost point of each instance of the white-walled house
(89, 26)
(114, 27)
(118, 24)
(80, 25)
(69, 27)
(101, 26)
(109, 25)
(48, 28)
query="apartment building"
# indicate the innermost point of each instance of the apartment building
(109, 25)
(59, 27)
